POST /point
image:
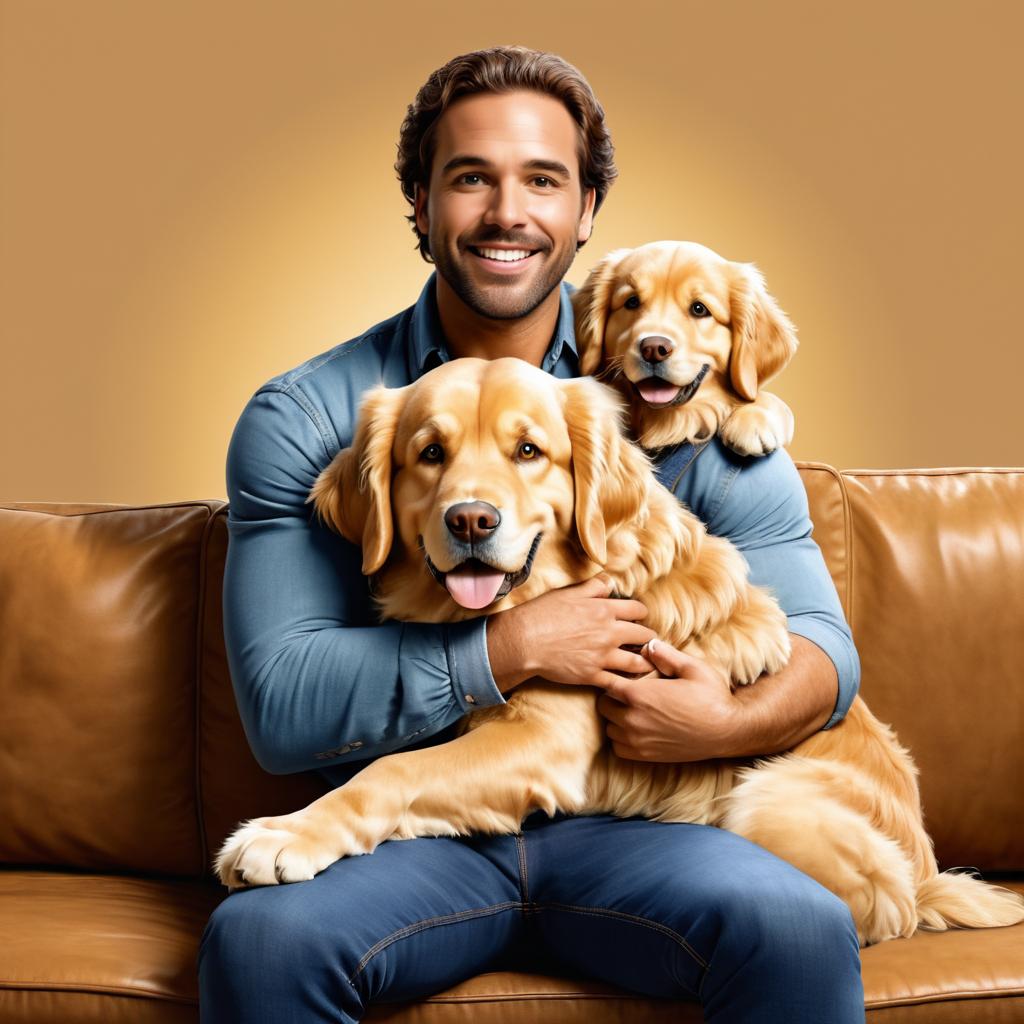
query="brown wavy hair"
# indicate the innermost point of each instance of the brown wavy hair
(503, 69)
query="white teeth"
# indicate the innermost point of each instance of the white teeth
(504, 255)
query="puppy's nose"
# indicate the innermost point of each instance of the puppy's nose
(472, 521)
(656, 349)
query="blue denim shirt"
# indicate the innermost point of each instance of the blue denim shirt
(319, 683)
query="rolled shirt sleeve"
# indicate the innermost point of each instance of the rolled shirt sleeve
(317, 680)
(760, 504)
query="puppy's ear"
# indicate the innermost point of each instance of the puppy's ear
(590, 305)
(763, 338)
(353, 494)
(610, 473)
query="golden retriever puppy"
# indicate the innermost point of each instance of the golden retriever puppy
(688, 338)
(487, 483)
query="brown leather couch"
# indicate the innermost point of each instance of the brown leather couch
(123, 763)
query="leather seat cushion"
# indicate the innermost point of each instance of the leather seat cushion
(100, 948)
(91, 948)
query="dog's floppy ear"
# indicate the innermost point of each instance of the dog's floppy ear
(763, 338)
(590, 305)
(610, 474)
(353, 494)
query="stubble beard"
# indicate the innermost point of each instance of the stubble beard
(501, 301)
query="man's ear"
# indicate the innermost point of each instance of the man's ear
(420, 209)
(586, 225)
(763, 337)
(590, 305)
(610, 474)
(353, 494)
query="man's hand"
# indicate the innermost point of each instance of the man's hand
(689, 713)
(573, 635)
(683, 711)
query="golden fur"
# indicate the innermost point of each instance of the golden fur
(743, 339)
(843, 806)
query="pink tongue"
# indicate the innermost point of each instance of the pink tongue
(474, 587)
(656, 391)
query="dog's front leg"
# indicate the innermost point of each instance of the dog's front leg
(533, 753)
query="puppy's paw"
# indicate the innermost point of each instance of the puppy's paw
(759, 427)
(270, 851)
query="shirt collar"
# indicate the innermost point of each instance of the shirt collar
(428, 347)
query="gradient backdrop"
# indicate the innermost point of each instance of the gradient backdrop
(198, 196)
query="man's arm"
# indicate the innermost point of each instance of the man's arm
(317, 681)
(761, 506)
(684, 713)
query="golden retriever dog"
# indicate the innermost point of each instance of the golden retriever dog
(688, 338)
(487, 483)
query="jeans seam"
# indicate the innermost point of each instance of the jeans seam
(644, 922)
(428, 922)
(524, 878)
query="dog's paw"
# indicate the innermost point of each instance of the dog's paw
(759, 427)
(777, 649)
(270, 851)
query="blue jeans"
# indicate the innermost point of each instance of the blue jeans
(676, 911)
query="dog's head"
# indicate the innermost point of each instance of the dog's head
(684, 334)
(481, 485)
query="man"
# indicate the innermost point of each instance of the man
(506, 159)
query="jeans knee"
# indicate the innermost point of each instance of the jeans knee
(786, 950)
(259, 951)
(792, 916)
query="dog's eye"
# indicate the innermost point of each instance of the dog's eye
(699, 309)
(633, 302)
(527, 451)
(432, 453)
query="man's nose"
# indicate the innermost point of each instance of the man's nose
(472, 521)
(507, 207)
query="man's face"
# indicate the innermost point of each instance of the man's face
(505, 207)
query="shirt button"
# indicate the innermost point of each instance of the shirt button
(470, 699)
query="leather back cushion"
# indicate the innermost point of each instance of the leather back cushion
(930, 564)
(109, 616)
(98, 619)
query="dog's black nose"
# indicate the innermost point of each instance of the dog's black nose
(656, 349)
(472, 521)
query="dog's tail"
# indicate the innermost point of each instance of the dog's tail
(958, 899)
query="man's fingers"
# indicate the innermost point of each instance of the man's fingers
(597, 586)
(668, 660)
(612, 710)
(626, 608)
(628, 663)
(626, 752)
(633, 634)
(614, 686)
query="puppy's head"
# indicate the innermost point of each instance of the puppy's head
(683, 333)
(483, 484)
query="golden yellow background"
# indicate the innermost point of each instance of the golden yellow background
(198, 196)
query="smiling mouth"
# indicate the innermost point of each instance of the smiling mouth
(507, 256)
(475, 584)
(661, 394)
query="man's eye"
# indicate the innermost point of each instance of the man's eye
(432, 453)
(633, 302)
(699, 309)
(465, 179)
(527, 451)
(545, 182)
